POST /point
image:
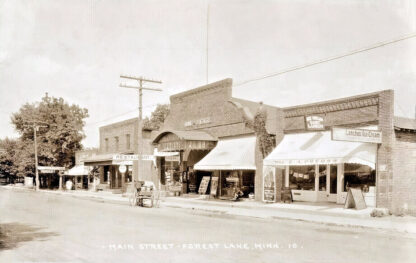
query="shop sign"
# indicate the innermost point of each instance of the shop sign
(50, 169)
(197, 122)
(314, 123)
(132, 157)
(214, 186)
(356, 135)
(269, 182)
(122, 169)
(125, 157)
(172, 158)
(203, 187)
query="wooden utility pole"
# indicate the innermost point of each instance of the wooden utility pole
(141, 81)
(35, 125)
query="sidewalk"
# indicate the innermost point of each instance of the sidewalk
(330, 214)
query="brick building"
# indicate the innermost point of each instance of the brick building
(119, 138)
(207, 130)
(392, 175)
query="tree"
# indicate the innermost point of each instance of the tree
(7, 158)
(58, 142)
(157, 117)
(258, 124)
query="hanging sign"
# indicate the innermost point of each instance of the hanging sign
(314, 123)
(356, 135)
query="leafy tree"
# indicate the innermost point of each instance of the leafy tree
(7, 158)
(157, 117)
(58, 142)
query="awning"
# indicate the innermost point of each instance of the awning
(79, 170)
(318, 148)
(230, 154)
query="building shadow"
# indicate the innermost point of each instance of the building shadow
(12, 234)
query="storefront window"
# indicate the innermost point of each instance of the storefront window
(359, 176)
(302, 177)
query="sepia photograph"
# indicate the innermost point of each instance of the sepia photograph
(207, 131)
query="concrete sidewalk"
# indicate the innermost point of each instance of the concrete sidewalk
(330, 214)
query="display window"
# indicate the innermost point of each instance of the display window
(302, 177)
(359, 176)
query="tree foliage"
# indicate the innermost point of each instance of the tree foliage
(7, 158)
(157, 117)
(258, 124)
(57, 142)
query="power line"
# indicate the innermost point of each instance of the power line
(347, 54)
(119, 115)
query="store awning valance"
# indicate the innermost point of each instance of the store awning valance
(79, 170)
(230, 154)
(318, 148)
(175, 141)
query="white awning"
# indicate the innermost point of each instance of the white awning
(318, 148)
(230, 154)
(79, 170)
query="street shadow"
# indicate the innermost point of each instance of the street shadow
(11, 234)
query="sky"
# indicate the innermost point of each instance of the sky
(77, 50)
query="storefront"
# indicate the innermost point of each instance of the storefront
(80, 176)
(317, 168)
(177, 152)
(217, 151)
(110, 176)
(232, 166)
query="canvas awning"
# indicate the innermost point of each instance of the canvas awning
(230, 154)
(318, 148)
(79, 170)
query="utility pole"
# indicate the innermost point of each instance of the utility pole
(141, 81)
(35, 125)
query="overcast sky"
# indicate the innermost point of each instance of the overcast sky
(77, 49)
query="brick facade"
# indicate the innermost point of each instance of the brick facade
(122, 138)
(404, 170)
(214, 104)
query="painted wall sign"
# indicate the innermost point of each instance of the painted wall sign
(197, 122)
(314, 123)
(356, 135)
